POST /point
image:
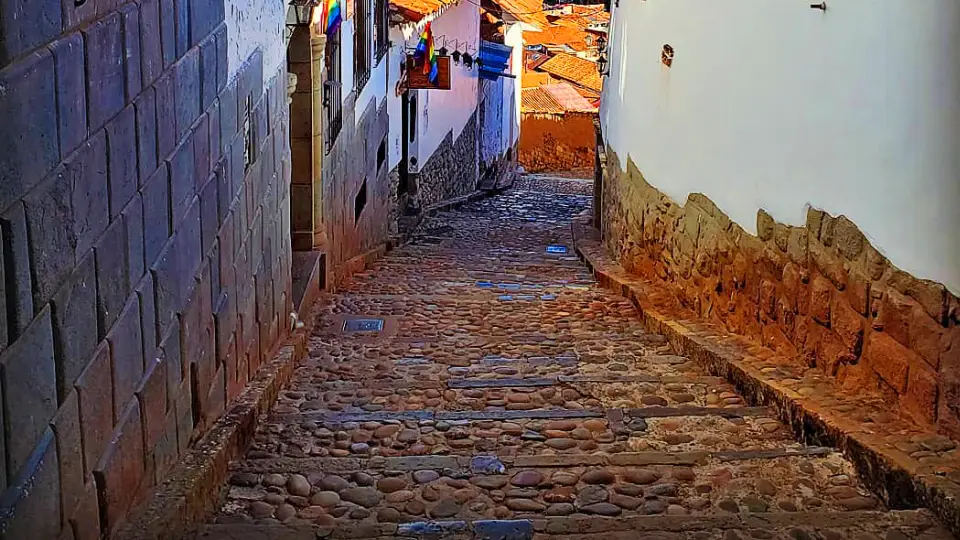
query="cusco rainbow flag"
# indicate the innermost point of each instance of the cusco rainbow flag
(426, 54)
(331, 16)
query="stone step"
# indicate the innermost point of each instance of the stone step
(418, 433)
(359, 416)
(486, 487)
(862, 525)
(905, 524)
(467, 463)
(502, 381)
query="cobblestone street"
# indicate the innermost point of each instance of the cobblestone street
(478, 383)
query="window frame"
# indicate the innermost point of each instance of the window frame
(362, 40)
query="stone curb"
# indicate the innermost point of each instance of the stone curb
(895, 477)
(178, 506)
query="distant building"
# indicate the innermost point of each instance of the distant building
(557, 129)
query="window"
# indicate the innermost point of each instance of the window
(382, 12)
(361, 45)
(381, 153)
(332, 99)
(360, 201)
(413, 118)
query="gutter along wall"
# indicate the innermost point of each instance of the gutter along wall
(771, 111)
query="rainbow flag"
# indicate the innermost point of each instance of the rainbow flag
(426, 54)
(330, 16)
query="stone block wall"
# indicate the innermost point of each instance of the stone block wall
(351, 164)
(144, 209)
(557, 142)
(820, 292)
(451, 171)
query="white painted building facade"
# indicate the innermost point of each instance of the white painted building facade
(778, 106)
(438, 112)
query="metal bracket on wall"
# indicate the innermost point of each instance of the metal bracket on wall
(822, 6)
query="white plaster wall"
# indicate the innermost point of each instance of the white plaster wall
(514, 38)
(441, 111)
(393, 59)
(376, 88)
(776, 105)
(253, 24)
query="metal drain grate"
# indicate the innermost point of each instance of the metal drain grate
(363, 325)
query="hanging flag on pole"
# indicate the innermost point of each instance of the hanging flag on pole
(330, 16)
(426, 55)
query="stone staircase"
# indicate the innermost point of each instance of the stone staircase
(494, 391)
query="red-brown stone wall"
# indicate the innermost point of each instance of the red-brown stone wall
(144, 210)
(553, 143)
(820, 292)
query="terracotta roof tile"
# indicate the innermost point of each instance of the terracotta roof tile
(558, 35)
(534, 79)
(568, 97)
(538, 100)
(416, 10)
(528, 11)
(577, 70)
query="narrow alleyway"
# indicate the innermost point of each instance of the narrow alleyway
(478, 383)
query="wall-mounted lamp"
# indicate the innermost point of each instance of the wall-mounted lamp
(601, 44)
(602, 65)
(299, 13)
(456, 57)
(467, 61)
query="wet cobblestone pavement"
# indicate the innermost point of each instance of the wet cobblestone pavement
(477, 383)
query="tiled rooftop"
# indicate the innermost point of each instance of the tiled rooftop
(577, 70)
(416, 10)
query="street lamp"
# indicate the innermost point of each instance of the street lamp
(601, 44)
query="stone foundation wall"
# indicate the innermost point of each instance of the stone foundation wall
(351, 161)
(146, 253)
(497, 171)
(452, 169)
(553, 143)
(820, 292)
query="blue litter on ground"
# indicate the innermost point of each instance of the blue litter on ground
(505, 298)
(556, 249)
(487, 465)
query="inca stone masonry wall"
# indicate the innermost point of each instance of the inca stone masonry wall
(821, 292)
(451, 171)
(145, 256)
(350, 164)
